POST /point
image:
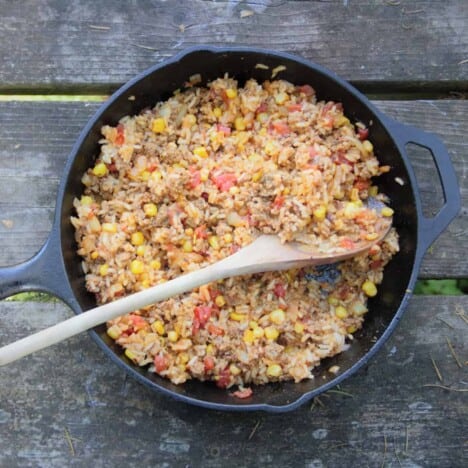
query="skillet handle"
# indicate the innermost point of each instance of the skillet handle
(43, 272)
(431, 228)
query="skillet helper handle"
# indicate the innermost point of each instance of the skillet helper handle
(431, 228)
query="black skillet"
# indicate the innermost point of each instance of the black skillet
(56, 268)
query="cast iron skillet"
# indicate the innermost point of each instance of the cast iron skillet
(56, 267)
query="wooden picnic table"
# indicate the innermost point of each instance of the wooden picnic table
(69, 405)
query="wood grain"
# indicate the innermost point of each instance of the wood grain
(70, 406)
(37, 136)
(416, 45)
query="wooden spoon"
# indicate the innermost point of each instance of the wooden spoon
(266, 253)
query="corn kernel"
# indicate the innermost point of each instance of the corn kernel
(369, 288)
(187, 246)
(214, 242)
(248, 336)
(373, 191)
(150, 209)
(237, 317)
(159, 125)
(155, 264)
(231, 93)
(204, 174)
(100, 170)
(145, 176)
(189, 232)
(320, 213)
(137, 238)
(104, 269)
(130, 354)
(253, 324)
(145, 284)
(239, 124)
(227, 238)
(281, 98)
(156, 176)
(351, 329)
(257, 176)
(354, 196)
(271, 333)
(140, 251)
(114, 332)
(271, 148)
(201, 152)
(350, 210)
(370, 236)
(94, 255)
(368, 146)
(220, 301)
(209, 349)
(262, 117)
(86, 200)
(233, 190)
(190, 120)
(234, 370)
(172, 336)
(258, 332)
(387, 211)
(299, 327)
(158, 327)
(217, 111)
(333, 301)
(341, 312)
(274, 370)
(342, 120)
(277, 316)
(137, 267)
(109, 227)
(183, 358)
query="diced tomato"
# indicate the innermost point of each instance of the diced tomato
(111, 167)
(224, 129)
(160, 363)
(209, 363)
(347, 243)
(363, 133)
(120, 138)
(224, 97)
(340, 158)
(296, 107)
(202, 314)
(200, 232)
(263, 107)
(152, 167)
(138, 322)
(224, 378)
(376, 264)
(306, 89)
(281, 127)
(279, 290)
(195, 179)
(244, 393)
(361, 184)
(224, 181)
(195, 326)
(214, 329)
(214, 293)
(278, 202)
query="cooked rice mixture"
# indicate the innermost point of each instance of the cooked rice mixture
(201, 175)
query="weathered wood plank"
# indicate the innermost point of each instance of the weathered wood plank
(69, 406)
(36, 138)
(48, 44)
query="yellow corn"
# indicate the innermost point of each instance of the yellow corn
(114, 332)
(103, 269)
(369, 288)
(342, 120)
(140, 251)
(274, 370)
(341, 312)
(150, 209)
(109, 227)
(214, 242)
(156, 176)
(248, 336)
(94, 255)
(234, 370)
(271, 333)
(145, 175)
(231, 93)
(159, 125)
(298, 327)
(130, 354)
(204, 174)
(354, 196)
(258, 332)
(239, 124)
(262, 117)
(158, 327)
(370, 236)
(281, 98)
(217, 111)
(183, 358)
(257, 176)
(155, 264)
(137, 238)
(189, 232)
(190, 120)
(172, 336)
(373, 191)
(187, 246)
(320, 213)
(387, 212)
(368, 146)
(209, 349)
(277, 316)
(201, 152)
(100, 170)
(237, 317)
(351, 329)
(333, 301)
(220, 301)
(86, 200)
(227, 238)
(137, 267)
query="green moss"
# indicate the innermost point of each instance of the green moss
(447, 287)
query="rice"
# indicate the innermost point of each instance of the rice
(199, 176)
